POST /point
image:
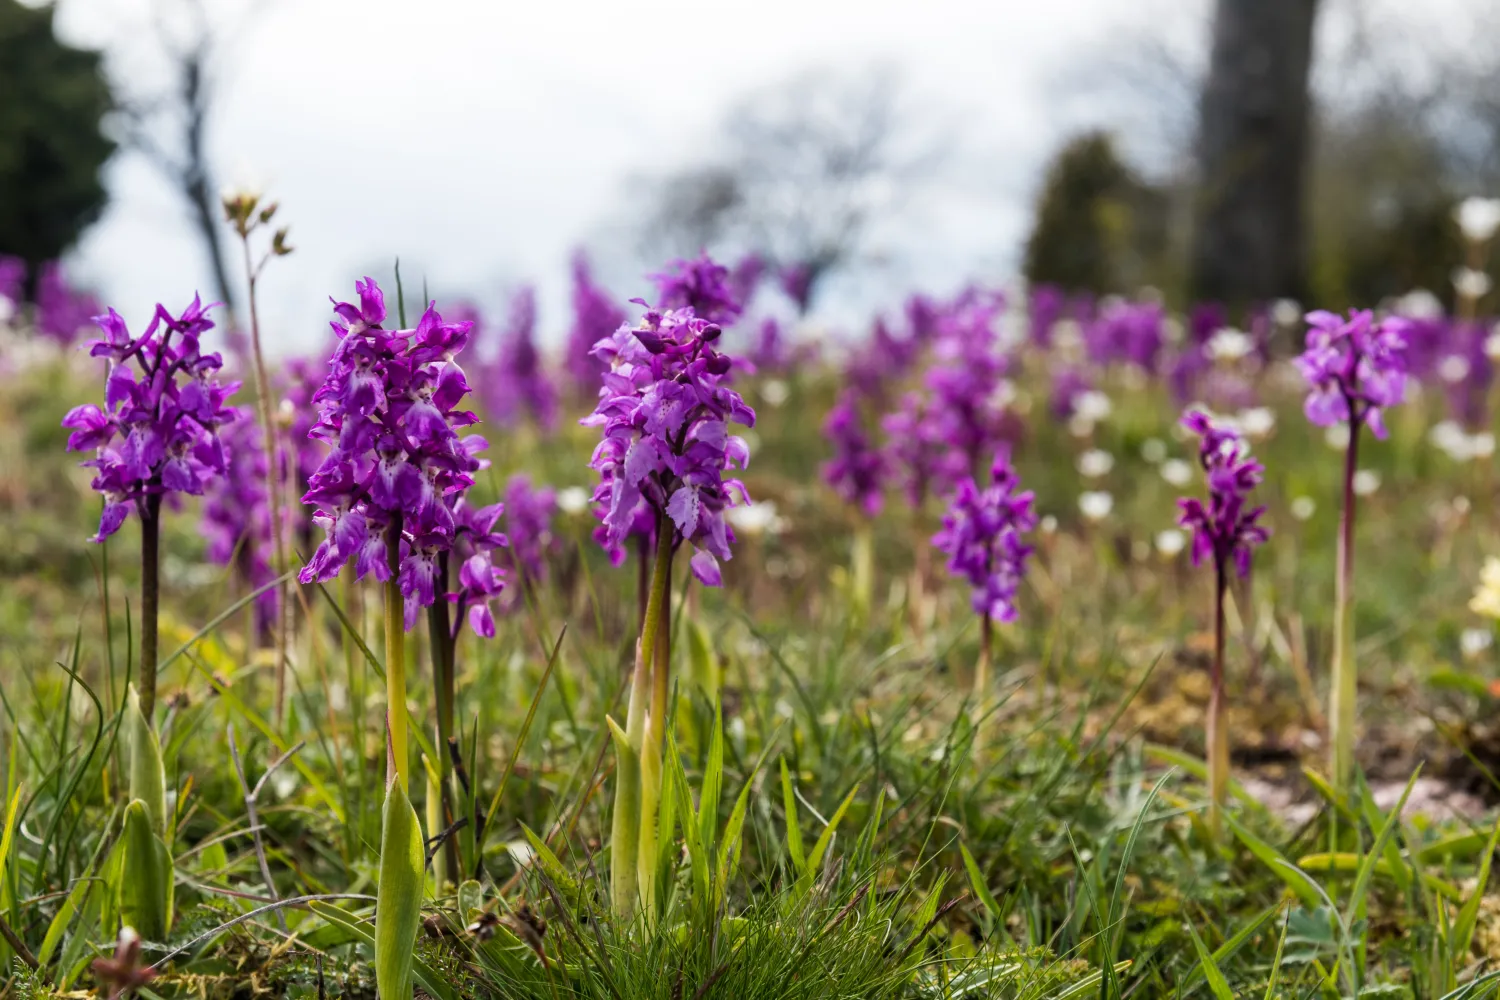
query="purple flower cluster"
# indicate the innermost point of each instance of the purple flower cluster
(664, 411)
(12, 283)
(1227, 528)
(965, 381)
(1128, 333)
(595, 316)
(236, 516)
(917, 456)
(796, 281)
(528, 516)
(857, 470)
(62, 312)
(981, 536)
(389, 412)
(517, 382)
(158, 433)
(1355, 367)
(701, 285)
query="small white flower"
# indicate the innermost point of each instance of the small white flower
(1286, 312)
(1453, 369)
(1337, 437)
(284, 782)
(1095, 504)
(1170, 542)
(521, 852)
(1229, 344)
(1366, 481)
(1154, 450)
(1478, 218)
(1303, 508)
(1482, 445)
(1177, 472)
(1092, 405)
(1256, 422)
(1492, 344)
(1471, 284)
(1419, 303)
(1049, 525)
(573, 500)
(1095, 463)
(1473, 641)
(775, 392)
(756, 518)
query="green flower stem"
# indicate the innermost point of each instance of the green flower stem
(441, 639)
(150, 596)
(1217, 735)
(629, 816)
(1341, 712)
(395, 662)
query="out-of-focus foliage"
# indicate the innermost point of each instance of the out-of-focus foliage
(51, 146)
(1099, 228)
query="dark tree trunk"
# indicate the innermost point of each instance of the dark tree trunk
(1248, 240)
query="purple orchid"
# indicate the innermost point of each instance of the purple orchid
(158, 433)
(595, 316)
(517, 383)
(1355, 368)
(528, 516)
(965, 381)
(981, 536)
(1226, 529)
(12, 283)
(796, 281)
(237, 517)
(701, 285)
(664, 412)
(62, 312)
(917, 457)
(389, 412)
(857, 469)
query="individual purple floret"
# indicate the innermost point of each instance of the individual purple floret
(917, 456)
(389, 412)
(1227, 528)
(236, 517)
(595, 316)
(480, 581)
(158, 433)
(516, 383)
(528, 520)
(61, 312)
(664, 412)
(857, 469)
(1355, 367)
(701, 285)
(981, 536)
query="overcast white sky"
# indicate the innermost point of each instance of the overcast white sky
(481, 141)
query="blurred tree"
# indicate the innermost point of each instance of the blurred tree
(1099, 228)
(167, 114)
(51, 146)
(1248, 243)
(803, 169)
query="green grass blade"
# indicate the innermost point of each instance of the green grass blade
(793, 829)
(1216, 981)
